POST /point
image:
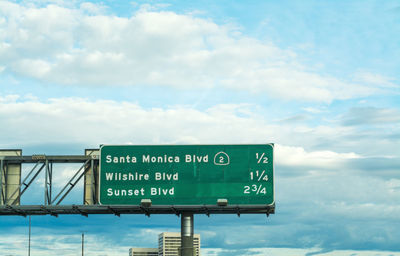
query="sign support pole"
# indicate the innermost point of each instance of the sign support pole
(187, 234)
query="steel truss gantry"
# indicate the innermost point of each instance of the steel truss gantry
(12, 188)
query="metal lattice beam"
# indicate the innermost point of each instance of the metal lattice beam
(89, 169)
(55, 210)
(11, 198)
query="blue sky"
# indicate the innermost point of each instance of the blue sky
(320, 79)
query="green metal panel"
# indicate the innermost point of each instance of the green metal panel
(187, 174)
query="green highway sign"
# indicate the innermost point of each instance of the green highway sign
(187, 174)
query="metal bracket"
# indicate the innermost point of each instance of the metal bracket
(207, 211)
(145, 211)
(48, 211)
(175, 211)
(18, 212)
(76, 208)
(114, 212)
(238, 212)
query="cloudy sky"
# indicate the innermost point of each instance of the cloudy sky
(320, 79)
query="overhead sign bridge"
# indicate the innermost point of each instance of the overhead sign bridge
(159, 179)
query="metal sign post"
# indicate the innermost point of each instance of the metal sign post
(187, 234)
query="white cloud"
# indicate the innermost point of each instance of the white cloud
(317, 251)
(91, 8)
(298, 156)
(314, 110)
(77, 120)
(375, 79)
(82, 46)
(36, 67)
(65, 244)
(30, 121)
(70, 244)
(371, 116)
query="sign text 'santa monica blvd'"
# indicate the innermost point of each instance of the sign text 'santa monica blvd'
(187, 174)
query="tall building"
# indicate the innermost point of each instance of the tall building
(169, 244)
(143, 252)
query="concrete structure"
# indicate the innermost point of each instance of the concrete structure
(143, 252)
(169, 244)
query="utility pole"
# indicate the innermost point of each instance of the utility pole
(29, 241)
(83, 243)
